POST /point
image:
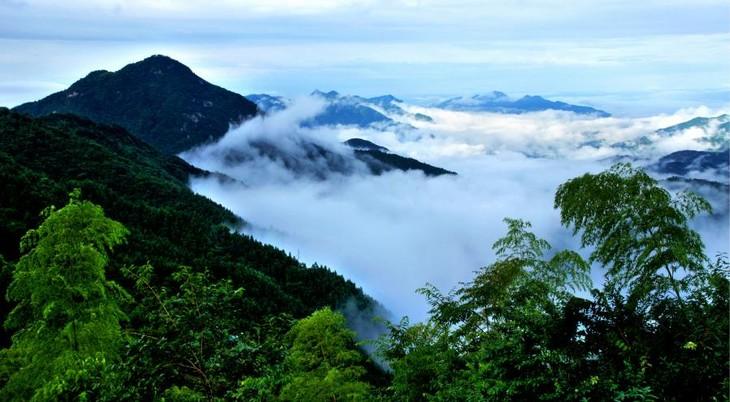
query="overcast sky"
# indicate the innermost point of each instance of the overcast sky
(627, 56)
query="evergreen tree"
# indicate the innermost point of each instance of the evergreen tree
(67, 317)
(323, 363)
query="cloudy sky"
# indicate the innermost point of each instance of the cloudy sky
(626, 56)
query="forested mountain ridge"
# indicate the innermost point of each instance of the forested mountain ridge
(137, 289)
(158, 99)
(43, 159)
(499, 102)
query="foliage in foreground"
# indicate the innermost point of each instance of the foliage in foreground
(67, 317)
(529, 326)
(523, 330)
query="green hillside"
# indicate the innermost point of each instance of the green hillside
(42, 160)
(158, 99)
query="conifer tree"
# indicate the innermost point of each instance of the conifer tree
(67, 317)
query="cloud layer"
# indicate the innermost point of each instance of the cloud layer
(394, 233)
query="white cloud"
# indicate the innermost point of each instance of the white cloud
(393, 233)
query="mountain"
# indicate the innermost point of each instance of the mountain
(347, 111)
(364, 145)
(632, 145)
(499, 102)
(43, 159)
(706, 173)
(389, 103)
(715, 192)
(157, 99)
(684, 162)
(379, 112)
(269, 103)
(392, 105)
(716, 130)
(306, 157)
(379, 159)
(301, 157)
(715, 135)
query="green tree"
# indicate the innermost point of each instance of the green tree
(658, 329)
(190, 340)
(323, 363)
(640, 232)
(493, 338)
(67, 317)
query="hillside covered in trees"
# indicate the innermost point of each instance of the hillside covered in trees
(122, 284)
(158, 99)
(170, 230)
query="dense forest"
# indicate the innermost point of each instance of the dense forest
(122, 284)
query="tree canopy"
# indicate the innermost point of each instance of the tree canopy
(67, 317)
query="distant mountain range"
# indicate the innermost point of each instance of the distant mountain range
(684, 162)
(308, 158)
(705, 173)
(269, 103)
(382, 112)
(716, 130)
(347, 110)
(499, 102)
(164, 103)
(157, 99)
(715, 133)
(317, 160)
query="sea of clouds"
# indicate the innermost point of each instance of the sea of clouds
(393, 233)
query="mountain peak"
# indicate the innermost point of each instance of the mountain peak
(384, 100)
(160, 66)
(159, 60)
(327, 95)
(491, 96)
(361, 144)
(158, 99)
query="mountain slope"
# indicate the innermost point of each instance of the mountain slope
(347, 110)
(42, 160)
(268, 103)
(157, 99)
(360, 144)
(298, 155)
(379, 159)
(684, 162)
(499, 102)
(716, 130)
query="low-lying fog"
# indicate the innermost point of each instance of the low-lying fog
(393, 233)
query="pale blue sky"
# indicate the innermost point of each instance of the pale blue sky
(629, 57)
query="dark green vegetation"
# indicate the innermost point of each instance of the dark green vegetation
(67, 315)
(157, 99)
(170, 228)
(521, 330)
(153, 298)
